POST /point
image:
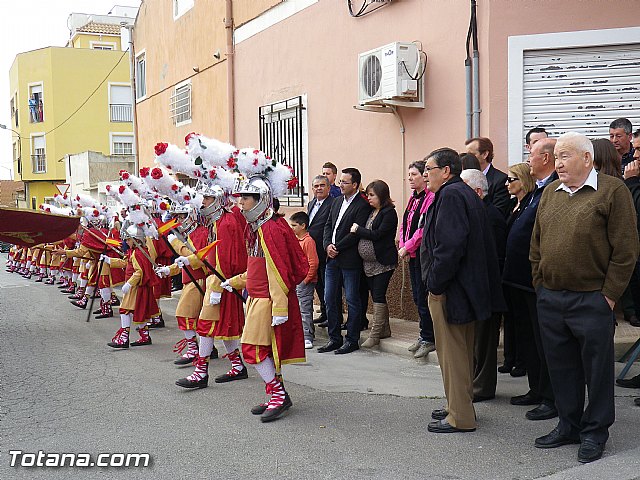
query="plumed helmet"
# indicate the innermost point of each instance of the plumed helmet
(258, 186)
(130, 230)
(213, 211)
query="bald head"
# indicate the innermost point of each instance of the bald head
(541, 159)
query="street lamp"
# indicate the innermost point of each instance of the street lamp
(4, 127)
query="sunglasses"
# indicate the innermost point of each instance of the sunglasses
(512, 179)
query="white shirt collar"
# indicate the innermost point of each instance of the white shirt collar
(591, 181)
(540, 183)
(486, 170)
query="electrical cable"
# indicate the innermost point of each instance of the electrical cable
(89, 97)
(364, 7)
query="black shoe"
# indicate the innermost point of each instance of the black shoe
(347, 347)
(554, 439)
(96, 312)
(442, 426)
(324, 324)
(589, 451)
(186, 383)
(104, 315)
(259, 409)
(230, 378)
(439, 414)
(542, 412)
(505, 368)
(518, 372)
(480, 398)
(526, 399)
(115, 302)
(214, 353)
(184, 361)
(118, 345)
(158, 324)
(276, 413)
(330, 346)
(636, 402)
(141, 343)
(80, 304)
(633, 382)
(320, 319)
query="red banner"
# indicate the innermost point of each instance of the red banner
(27, 228)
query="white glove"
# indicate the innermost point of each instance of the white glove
(162, 272)
(105, 259)
(182, 261)
(171, 237)
(278, 320)
(215, 298)
(126, 288)
(226, 286)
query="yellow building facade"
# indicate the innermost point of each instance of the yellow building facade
(67, 100)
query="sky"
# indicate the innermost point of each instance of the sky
(29, 24)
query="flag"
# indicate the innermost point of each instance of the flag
(112, 242)
(166, 227)
(28, 228)
(204, 250)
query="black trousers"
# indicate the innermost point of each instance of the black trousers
(577, 332)
(485, 357)
(322, 264)
(530, 344)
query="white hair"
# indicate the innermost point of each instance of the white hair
(475, 179)
(578, 141)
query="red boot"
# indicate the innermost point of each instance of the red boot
(192, 351)
(200, 376)
(82, 303)
(78, 295)
(238, 370)
(105, 310)
(121, 339)
(279, 402)
(145, 338)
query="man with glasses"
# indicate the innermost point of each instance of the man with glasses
(318, 210)
(344, 262)
(461, 272)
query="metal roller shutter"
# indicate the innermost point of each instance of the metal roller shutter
(581, 89)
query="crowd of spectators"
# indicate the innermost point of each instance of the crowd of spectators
(545, 250)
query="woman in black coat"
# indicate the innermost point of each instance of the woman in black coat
(379, 255)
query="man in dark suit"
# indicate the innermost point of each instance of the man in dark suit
(318, 210)
(485, 377)
(498, 194)
(344, 261)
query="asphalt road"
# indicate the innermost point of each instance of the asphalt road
(362, 415)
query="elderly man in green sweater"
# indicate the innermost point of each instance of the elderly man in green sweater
(583, 250)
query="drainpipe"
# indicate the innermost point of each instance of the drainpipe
(468, 79)
(476, 71)
(231, 116)
(132, 79)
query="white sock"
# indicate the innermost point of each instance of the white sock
(231, 345)
(206, 346)
(266, 369)
(82, 282)
(125, 320)
(74, 277)
(90, 290)
(189, 334)
(105, 294)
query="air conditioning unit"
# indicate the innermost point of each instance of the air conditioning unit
(391, 74)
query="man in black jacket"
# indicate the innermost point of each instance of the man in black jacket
(498, 194)
(344, 261)
(461, 273)
(318, 211)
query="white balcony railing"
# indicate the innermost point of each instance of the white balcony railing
(120, 112)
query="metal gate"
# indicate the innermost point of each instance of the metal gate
(281, 128)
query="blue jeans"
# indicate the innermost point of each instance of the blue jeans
(351, 282)
(420, 299)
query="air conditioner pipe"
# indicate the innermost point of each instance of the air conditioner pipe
(228, 25)
(476, 70)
